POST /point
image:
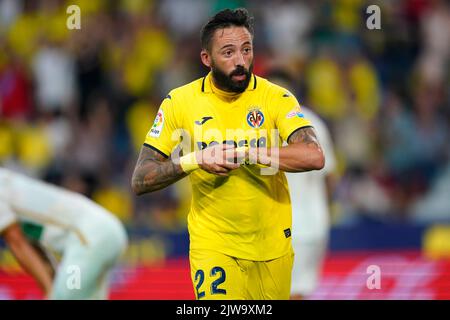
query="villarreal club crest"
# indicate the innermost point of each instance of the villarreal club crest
(255, 118)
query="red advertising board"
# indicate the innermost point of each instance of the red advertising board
(351, 275)
(402, 276)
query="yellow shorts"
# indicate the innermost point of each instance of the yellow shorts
(216, 276)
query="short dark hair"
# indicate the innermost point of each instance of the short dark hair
(224, 19)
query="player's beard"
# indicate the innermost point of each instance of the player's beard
(226, 82)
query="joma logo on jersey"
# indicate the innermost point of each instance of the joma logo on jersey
(254, 143)
(204, 119)
(255, 118)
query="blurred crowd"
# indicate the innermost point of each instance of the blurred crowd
(75, 105)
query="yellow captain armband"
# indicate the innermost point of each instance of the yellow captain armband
(189, 162)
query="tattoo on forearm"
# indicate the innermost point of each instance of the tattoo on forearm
(154, 172)
(304, 135)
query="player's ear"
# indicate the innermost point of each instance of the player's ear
(206, 57)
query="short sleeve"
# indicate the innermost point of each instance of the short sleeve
(163, 135)
(289, 116)
(7, 216)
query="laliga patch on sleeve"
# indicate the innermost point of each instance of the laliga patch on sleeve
(296, 112)
(157, 126)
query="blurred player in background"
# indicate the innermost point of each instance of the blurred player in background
(38, 219)
(311, 193)
(240, 219)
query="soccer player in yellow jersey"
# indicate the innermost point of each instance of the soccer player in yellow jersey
(225, 131)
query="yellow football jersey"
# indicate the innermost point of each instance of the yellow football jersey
(246, 215)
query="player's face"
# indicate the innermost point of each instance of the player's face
(230, 58)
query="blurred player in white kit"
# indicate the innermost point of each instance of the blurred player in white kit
(89, 239)
(310, 194)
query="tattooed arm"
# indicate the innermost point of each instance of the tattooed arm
(153, 172)
(302, 154)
